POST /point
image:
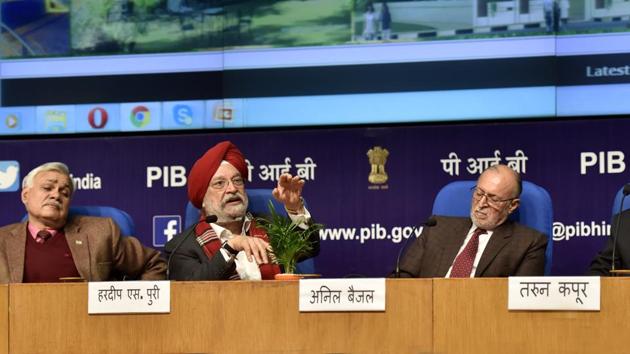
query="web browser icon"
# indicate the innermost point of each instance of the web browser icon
(140, 116)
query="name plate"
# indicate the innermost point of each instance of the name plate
(322, 295)
(554, 293)
(129, 297)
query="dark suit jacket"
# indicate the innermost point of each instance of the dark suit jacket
(603, 261)
(98, 251)
(513, 250)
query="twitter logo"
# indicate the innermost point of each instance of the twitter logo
(9, 176)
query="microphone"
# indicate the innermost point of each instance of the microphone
(626, 191)
(429, 223)
(209, 219)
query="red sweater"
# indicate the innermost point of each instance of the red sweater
(47, 262)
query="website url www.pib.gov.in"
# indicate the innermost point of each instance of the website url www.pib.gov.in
(395, 234)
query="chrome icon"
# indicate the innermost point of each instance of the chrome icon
(97, 118)
(140, 116)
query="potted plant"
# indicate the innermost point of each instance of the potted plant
(289, 242)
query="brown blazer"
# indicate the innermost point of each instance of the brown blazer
(98, 250)
(513, 250)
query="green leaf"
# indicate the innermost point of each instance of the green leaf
(288, 241)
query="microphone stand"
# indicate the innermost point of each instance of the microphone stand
(429, 223)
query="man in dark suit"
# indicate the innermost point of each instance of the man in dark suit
(602, 263)
(485, 245)
(49, 246)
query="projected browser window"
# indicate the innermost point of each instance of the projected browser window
(300, 63)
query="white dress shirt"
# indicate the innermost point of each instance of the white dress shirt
(483, 242)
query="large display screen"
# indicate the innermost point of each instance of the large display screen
(122, 65)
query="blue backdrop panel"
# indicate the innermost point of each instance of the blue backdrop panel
(580, 163)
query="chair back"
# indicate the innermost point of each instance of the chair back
(535, 210)
(617, 202)
(121, 218)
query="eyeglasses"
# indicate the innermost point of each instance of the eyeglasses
(492, 200)
(221, 184)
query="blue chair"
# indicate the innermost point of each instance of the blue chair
(617, 202)
(120, 217)
(258, 204)
(535, 210)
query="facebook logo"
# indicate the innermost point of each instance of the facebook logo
(165, 227)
